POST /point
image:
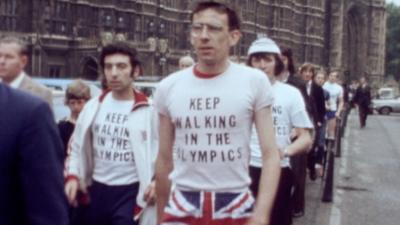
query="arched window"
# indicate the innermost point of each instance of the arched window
(8, 15)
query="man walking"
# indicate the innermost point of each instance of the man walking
(289, 114)
(206, 115)
(113, 145)
(363, 99)
(13, 59)
(335, 103)
(317, 101)
(31, 162)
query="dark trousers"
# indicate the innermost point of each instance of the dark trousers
(299, 164)
(316, 155)
(312, 159)
(363, 113)
(320, 155)
(282, 210)
(112, 205)
(77, 215)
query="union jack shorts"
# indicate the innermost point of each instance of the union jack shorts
(208, 208)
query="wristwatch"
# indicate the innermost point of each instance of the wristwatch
(285, 152)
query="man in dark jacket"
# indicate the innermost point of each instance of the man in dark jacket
(299, 162)
(363, 98)
(31, 166)
(317, 101)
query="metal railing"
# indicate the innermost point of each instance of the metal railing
(333, 149)
(329, 169)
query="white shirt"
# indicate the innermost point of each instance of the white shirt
(114, 162)
(213, 119)
(335, 92)
(288, 112)
(309, 88)
(18, 80)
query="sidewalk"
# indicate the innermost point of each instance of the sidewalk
(314, 206)
(316, 211)
(365, 191)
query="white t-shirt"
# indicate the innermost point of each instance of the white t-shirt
(335, 92)
(114, 162)
(288, 112)
(213, 119)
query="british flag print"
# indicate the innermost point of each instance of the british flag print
(208, 208)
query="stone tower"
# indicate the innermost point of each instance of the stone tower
(356, 38)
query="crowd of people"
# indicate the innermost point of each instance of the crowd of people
(221, 142)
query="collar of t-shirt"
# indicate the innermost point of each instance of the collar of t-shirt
(139, 100)
(202, 75)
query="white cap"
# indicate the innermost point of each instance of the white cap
(265, 45)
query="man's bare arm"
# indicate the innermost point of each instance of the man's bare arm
(270, 168)
(340, 106)
(302, 143)
(164, 164)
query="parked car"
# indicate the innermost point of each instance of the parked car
(387, 101)
(62, 84)
(147, 84)
(58, 88)
(387, 93)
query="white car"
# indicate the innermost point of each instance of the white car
(148, 88)
(147, 84)
(58, 88)
(386, 101)
(386, 106)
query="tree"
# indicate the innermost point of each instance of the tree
(392, 66)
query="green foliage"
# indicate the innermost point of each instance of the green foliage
(392, 66)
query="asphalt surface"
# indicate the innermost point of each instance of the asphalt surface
(366, 182)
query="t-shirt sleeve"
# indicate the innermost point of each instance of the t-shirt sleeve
(159, 100)
(325, 87)
(340, 91)
(299, 115)
(263, 96)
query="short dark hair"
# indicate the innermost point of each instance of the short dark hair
(278, 61)
(24, 50)
(121, 47)
(288, 53)
(233, 18)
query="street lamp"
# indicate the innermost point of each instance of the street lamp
(158, 45)
(36, 54)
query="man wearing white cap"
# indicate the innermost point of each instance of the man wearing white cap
(289, 113)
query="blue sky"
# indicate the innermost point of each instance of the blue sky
(396, 2)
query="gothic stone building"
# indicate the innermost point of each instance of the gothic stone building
(65, 36)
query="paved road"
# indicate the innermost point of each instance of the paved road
(367, 182)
